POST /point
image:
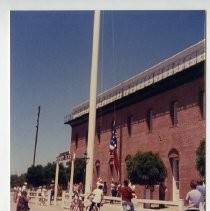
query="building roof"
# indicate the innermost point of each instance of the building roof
(167, 68)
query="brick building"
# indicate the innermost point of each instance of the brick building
(161, 109)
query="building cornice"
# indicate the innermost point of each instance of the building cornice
(142, 81)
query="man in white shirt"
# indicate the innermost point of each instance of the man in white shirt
(200, 187)
(97, 197)
(193, 197)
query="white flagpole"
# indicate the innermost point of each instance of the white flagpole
(92, 103)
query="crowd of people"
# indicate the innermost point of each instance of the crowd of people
(21, 195)
(126, 191)
(195, 198)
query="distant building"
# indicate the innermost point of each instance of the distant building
(161, 109)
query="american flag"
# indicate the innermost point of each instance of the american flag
(113, 148)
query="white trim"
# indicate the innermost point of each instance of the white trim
(164, 69)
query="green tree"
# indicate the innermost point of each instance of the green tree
(49, 173)
(22, 178)
(63, 179)
(39, 175)
(44, 175)
(79, 170)
(34, 175)
(201, 158)
(146, 168)
(16, 180)
(68, 169)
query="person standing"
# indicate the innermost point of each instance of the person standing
(51, 195)
(22, 204)
(127, 195)
(15, 196)
(113, 190)
(18, 193)
(133, 187)
(193, 197)
(105, 189)
(200, 187)
(81, 188)
(43, 194)
(162, 193)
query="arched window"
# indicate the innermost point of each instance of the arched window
(76, 140)
(173, 156)
(129, 124)
(173, 112)
(173, 153)
(86, 136)
(125, 166)
(127, 158)
(97, 165)
(149, 118)
(98, 132)
(202, 103)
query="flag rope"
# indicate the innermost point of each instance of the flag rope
(113, 58)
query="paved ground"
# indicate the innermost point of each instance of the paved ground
(33, 207)
(105, 207)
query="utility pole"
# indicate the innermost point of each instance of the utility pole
(37, 129)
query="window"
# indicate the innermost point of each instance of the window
(129, 124)
(173, 113)
(127, 158)
(76, 140)
(86, 137)
(202, 103)
(97, 164)
(98, 132)
(149, 118)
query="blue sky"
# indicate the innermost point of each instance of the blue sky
(51, 61)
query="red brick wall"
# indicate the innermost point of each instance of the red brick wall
(185, 137)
